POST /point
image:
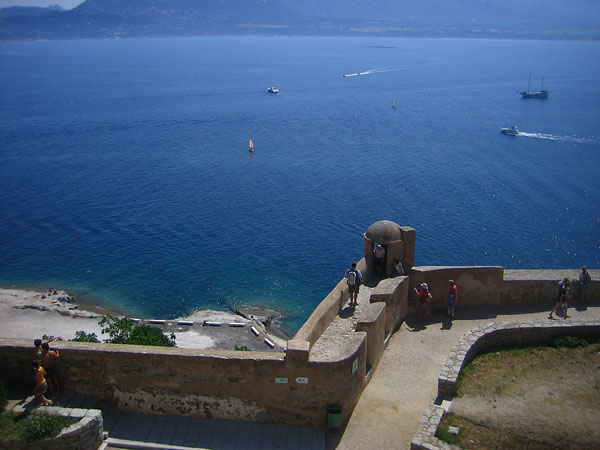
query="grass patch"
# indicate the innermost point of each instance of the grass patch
(500, 371)
(529, 398)
(33, 426)
(478, 436)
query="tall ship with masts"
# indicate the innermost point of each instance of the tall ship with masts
(542, 93)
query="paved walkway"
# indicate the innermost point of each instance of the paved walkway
(405, 381)
(148, 431)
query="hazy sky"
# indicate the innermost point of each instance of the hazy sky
(66, 4)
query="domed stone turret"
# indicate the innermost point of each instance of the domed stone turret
(398, 242)
(384, 232)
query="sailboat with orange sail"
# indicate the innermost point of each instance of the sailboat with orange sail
(251, 146)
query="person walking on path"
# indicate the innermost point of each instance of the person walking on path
(452, 297)
(353, 279)
(424, 300)
(49, 359)
(561, 301)
(584, 281)
(41, 385)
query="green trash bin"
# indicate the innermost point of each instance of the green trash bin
(334, 416)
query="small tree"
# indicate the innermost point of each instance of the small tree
(126, 331)
(118, 330)
(82, 336)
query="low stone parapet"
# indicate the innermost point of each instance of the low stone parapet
(493, 335)
(504, 335)
(394, 293)
(372, 321)
(424, 438)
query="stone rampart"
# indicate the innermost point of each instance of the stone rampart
(493, 285)
(293, 387)
(250, 386)
(477, 285)
(86, 433)
(394, 293)
(372, 321)
(540, 286)
(328, 309)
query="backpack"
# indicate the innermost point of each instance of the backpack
(352, 278)
(586, 277)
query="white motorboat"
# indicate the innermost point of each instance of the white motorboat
(512, 131)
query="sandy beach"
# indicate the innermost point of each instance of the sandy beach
(30, 313)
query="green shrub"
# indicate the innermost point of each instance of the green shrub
(118, 330)
(147, 335)
(41, 425)
(126, 331)
(243, 348)
(3, 395)
(569, 342)
(82, 336)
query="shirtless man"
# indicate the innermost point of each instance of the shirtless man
(49, 359)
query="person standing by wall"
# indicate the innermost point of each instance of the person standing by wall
(561, 301)
(49, 359)
(353, 279)
(38, 351)
(424, 300)
(41, 385)
(379, 259)
(452, 297)
(398, 268)
(584, 280)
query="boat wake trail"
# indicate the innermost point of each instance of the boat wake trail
(371, 72)
(557, 138)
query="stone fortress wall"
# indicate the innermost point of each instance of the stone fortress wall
(295, 387)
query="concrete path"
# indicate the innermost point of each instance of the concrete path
(405, 381)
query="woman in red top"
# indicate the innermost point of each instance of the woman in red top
(424, 300)
(452, 297)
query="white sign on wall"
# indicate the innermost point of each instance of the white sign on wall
(302, 380)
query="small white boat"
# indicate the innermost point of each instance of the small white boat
(512, 131)
(273, 90)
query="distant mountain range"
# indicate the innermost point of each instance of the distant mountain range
(15, 11)
(540, 19)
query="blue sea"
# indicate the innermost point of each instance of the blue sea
(125, 175)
